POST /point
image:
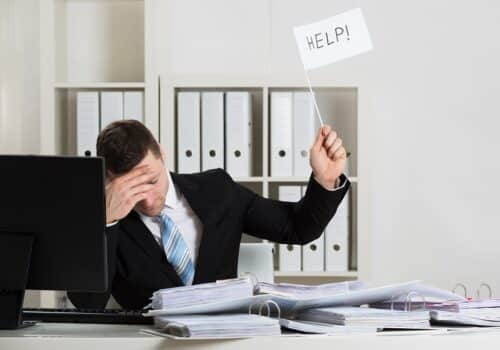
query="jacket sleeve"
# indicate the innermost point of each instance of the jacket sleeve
(90, 300)
(289, 222)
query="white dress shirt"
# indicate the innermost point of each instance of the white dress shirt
(179, 210)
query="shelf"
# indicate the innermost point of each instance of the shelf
(249, 179)
(100, 85)
(300, 179)
(288, 179)
(255, 80)
(351, 274)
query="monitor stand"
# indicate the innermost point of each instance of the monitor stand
(15, 257)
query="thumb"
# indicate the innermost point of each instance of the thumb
(320, 138)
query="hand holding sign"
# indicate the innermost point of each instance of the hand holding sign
(327, 157)
(322, 43)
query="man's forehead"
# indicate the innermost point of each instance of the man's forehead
(150, 160)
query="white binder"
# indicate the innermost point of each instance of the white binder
(188, 132)
(212, 130)
(239, 133)
(281, 133)
(133, 105)
(87, 122)
(111, 107)
(304, 132)
(337, 239)
(313, 253)
(290, 256)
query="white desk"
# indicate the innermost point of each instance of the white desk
(121, 337)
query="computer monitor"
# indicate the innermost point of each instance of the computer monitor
(52, 228)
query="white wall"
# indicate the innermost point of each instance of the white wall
(19, 76)
(19, 84)
(428, 117)
(428, 112)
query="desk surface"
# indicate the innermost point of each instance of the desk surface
(55, 336)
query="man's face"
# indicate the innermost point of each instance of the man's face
(155, 200)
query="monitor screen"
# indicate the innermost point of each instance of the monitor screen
(60, 202)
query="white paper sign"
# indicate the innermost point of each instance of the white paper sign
(333, 39)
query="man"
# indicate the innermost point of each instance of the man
(167, 230)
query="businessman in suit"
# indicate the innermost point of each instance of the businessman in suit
(167, 230)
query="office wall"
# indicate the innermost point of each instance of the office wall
(19, 83)
(428, 113)
(19, 76)
(428, 117)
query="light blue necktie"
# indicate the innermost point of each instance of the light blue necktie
(176, 250)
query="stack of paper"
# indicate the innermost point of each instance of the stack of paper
(218, 326)
(367, 317)
(306, 291)
(323, 328)
(479, 304)
(485, 317)
(290, 304)
(201, 294)
(423, 297)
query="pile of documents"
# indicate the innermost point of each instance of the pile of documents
(423, 297)
(446, 308)
(483, 317)
(302, 291)
(367, 317)
(302, 326)
(173, 298)
(211, 310)
(355, 294)
(218, 326)
(243, 307)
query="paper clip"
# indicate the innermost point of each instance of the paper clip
(409, 301)
(478, 291)
(392, 302)
(265, 304)
(463, 287)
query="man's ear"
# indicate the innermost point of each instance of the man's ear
(109, 176)
(163, 154)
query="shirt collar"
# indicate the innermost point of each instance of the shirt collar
(173, 197)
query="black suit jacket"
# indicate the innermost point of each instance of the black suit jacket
(138, 265)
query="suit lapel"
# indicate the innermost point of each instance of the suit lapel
(138, 232)
(199, 201)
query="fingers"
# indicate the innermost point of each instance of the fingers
(340, 154)
(138, 197)
(320, 138)
(326, 129)
(134, 178)
(139, 180)
(141, 170)
(334, 147)
(131, 201)
(330, 140)
(144, 188)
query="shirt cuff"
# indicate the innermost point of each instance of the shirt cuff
(112, 224)
(342, 182)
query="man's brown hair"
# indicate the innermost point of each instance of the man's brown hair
(124, 144)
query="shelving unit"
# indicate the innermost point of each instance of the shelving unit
(339, 105)
(93, 45)
(96, 45)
